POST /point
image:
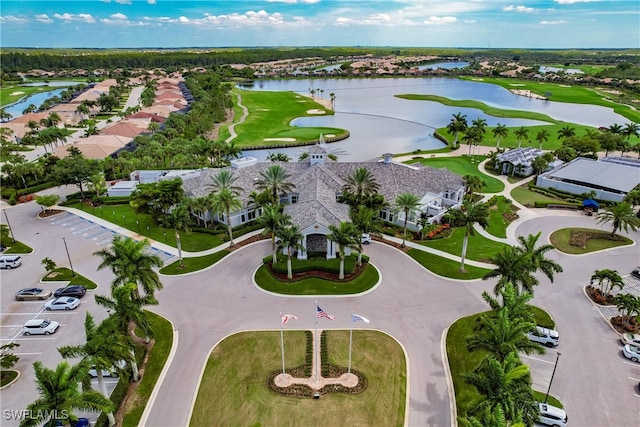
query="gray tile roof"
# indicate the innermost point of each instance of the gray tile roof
(520, 156)
(602, 174)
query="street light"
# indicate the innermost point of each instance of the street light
(138, 224)
(148, 232)
(13, 237)
(552, 374)
(69, 257)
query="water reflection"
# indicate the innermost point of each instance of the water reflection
(36, 99)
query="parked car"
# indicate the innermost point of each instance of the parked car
(552, 416)
(365, 239)
(76, 291)
(631, 352)
(633, 339)
(40, 327)
(10, 261)
(32, 294)
(545, 336)
(62, 303)
(636, 272)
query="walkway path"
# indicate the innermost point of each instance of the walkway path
(232, 129)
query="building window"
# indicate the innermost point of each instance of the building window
(294, 198)
(242, 218)
(251, 214)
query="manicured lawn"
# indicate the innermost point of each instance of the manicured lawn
(233, 391)
(463, 361)
(497, 222)
(270, 114)
(62, 274)
(463, 166)
(16, 247)
(479, 248)
(560, 239)
(194, 263)
(191, 242)
(317, 286)
(446, 267)
(6, 376)
(528, 198)
(163, 335)
(444, 149)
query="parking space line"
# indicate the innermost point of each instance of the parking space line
(535, 358)
(630, 363)
(26, 354)
(26, 339)
(634, 379)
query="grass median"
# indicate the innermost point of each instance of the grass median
(446, 267)
(591, 240)
(193, 263)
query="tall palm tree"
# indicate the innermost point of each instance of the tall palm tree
(127, 313)
(226, 201)
(290, 238)
(506, 385)
(502, 335)
(360, 184)
(536, 255)
(629, 306)
(224, 178)
(472, 183)
(631, 129)
(60, 395)
(457, 124)
(607, 280)
(178, 219)
(129, 260)
(566, 132)
(104, 347)
(542, 136)
(346, 236)
(615, 128)
(406, 203)
(4, 115)
(499, 132)
(466, 216)
(272, 220)
(274, 179)
(621, 217)
(365, 221)
(517, 303)
(521, 133)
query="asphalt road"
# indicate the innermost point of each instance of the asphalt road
(594, 381)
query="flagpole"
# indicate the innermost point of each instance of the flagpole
(350, 341)
(316, 342)
(282, 346)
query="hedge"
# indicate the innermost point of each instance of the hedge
(331, 266)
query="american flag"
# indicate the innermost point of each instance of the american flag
(320, 313)
(286, 317)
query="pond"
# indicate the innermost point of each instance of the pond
(379, 122)
(36, 99)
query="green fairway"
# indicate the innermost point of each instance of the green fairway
(233, 390)
(479, 249)
(270, 115)
(463, 166)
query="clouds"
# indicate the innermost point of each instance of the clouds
(70, 17)
(518, 9)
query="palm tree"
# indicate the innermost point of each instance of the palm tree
(360, 184)
(499, 132)
(536, 256)
(631, 129)
(178, 219)
(472, 137)
(566, 132)
(278, 157)
(365, 221)
(105, 346)
(346, 236)
(290, 238)
(542, 136)
(274, 179)
(129, 260)
(607, 280)
(272, 220)
(621, 216)
(629, 306)
(469, 213)
(4, 115)
(224, 179)
(226, 201)
(457, 124)
(472, 183)
(60, 395)
(332, 97)
(521, 133)
(506, 385)
(502, 335)
(126, 310)
(517, 303)
(406, 203)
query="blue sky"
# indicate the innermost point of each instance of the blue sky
(427, 23)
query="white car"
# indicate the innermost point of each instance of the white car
(545, 336)
(62, 303)
(552, 416)
(365, 239)
(40, 327)
(632, 339)
(631, 352)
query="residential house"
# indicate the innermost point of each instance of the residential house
(517, 161)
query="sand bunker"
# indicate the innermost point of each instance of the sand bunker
(315, 111)
(330, 135)
(16, 93)
(280, 139)
(517, 84)
(262, 109)
(526, 93)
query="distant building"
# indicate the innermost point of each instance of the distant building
(517, 161)
(611, 177)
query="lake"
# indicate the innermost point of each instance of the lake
(379, 122)
(36, 99)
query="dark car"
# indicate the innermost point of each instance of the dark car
(636, 272)
(76, 291)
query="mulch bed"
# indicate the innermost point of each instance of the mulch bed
(316, 273)
(246, 242)
(596, 296)
(49, 212)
